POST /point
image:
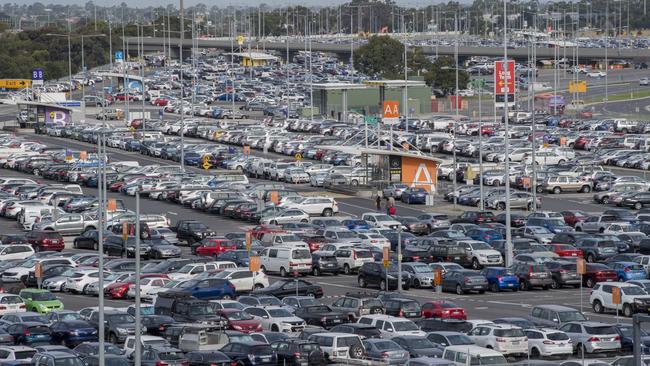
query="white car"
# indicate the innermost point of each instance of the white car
(544, 342)
(633, 298)
(376, 240)
(381, 221)
(392, 326)
(146, 340)
(244, 280)
(15, 251)
(596, 74)
(276, 319)
(80, 279)
(315, 206)
(190, 270)
(644, 82)
(11, 304)
(505, 338)
(480, 254)
(16, 274)
(12, 353)
(147, 285)
(285, 216)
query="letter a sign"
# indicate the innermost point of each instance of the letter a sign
(391, 112)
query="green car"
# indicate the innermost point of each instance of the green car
(41, 301)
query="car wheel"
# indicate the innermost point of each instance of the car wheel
(534, 353)
(95, 246)
(585, 189)
(416, 283)
(112, 338)
(475, 264)
(605, 200)
(501, 206)
(328, 212)
(84, 291)
(627, 311)
(459, 290)
(356, 351)
(494, 287)
(382, 285)
(590, 283)
(315, 271)
(554, 284)
(283, 272)
(557, 190)
(273, 222)
(638, 206)
(523, 286)
(263, 269)
(346, 269)
(598, 307)
(590, 258)
(226, 297)
(362, 282)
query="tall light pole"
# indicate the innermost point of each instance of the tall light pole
(508, 246)
(69, 55)
(85, 72)
(180, 53)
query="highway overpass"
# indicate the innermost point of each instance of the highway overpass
(343, 49)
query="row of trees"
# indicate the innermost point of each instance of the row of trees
(383, 57)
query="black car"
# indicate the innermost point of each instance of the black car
(374, 274)
(250, 353)
(363, 330)
(89, 239)
(208, 358)
(418, 346)
(156, 324)
(109, 360)
(289, 287)
(563, 274)
(321, 315)
(444, 325)
(117, 246)
(401, 307)
(184, 308)
(72, 332)
(298, 352)
(323, 263)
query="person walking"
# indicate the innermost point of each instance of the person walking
(378, 203)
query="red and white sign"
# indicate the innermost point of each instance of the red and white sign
(504, 77)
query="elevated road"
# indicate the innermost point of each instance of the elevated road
(344, 49)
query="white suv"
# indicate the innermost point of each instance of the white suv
(545, 342)
(339, 345)
(276, 319)
(505, 338)
(392, 326)
(316, 206)
(351, 259)
(381, 221)
(633, 298)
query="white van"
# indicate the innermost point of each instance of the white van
(339, 345)
(285, 260)
(392, 326)
(473, 355)
(29, 215)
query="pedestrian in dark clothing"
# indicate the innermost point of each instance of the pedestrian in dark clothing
(378, 203)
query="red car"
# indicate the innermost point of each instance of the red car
(160, 102)
(598, 272)
(259, 230)
(45, 240)
(119, 290)
(571, 218)
(443, 309)
(314, 241)
(240, 320)
(215, 246)
(566, 250)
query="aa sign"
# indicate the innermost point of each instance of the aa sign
(391, 109)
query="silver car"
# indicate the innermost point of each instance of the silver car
(385, 350)
(421, 272)
(167, 234)
(593, 337)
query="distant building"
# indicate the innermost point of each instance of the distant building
(253, 58)
(5, 19)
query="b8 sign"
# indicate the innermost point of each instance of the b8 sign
(37, 74)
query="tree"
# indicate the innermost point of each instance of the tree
(442, 75)
(382, 57)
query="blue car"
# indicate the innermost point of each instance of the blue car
(627, 271)
(484, 234)
(414, 195)
(500, 278)
(355, 224)
(73, 332)
(192, 158)
(210, 288)
(240, 257)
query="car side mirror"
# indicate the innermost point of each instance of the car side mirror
(556, 320)
(265, 316)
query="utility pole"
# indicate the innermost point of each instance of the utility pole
(508, 246)
(180, 53)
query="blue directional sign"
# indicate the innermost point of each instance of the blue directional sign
(37, 76)
(119, 56)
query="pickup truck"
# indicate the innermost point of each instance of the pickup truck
(108, 114)
(69, 224)
(192, 231)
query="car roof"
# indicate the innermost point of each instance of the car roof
(556, 307)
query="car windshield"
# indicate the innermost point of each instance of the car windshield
(571, 316)
(383, 218)
(488, 360)
(559, 336)
(308, 302)
(201, 310)
(346, 235)
(42, 296)
(121, 318)
(302, 254)
(197, 226)
(155, 342)
(387, 346)
(69, 316)
(68, 361)
(600, 330)
(422, 269)
(459, 339)
(480, 246)
(239, 315)
(11, 300)
(633, 290)
(186, 268)
(171, 356)
(279, 313)
(21, 355)
(626, 331)
(509, 332)
(405, 326)
(419, 343)
(540, 230)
